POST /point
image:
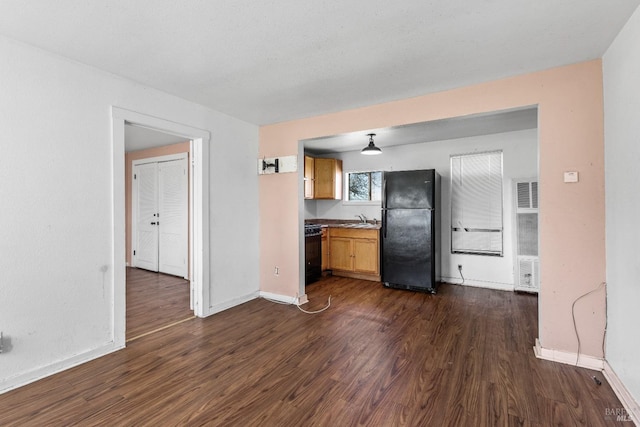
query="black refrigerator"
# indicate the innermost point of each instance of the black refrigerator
(410, 230)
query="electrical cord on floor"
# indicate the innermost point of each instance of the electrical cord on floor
(460, 270)
(316, 311)
(575, 326)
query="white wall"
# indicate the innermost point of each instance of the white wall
(310, 209)
(56, 235)
(621, 70)
(520, 160)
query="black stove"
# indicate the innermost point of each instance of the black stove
(313, 252)
(312, 230)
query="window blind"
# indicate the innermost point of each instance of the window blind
(476, 204)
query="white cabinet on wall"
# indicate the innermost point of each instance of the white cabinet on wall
(160, 214)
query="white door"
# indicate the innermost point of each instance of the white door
(160, 198)
(145, 179)
(173, 220)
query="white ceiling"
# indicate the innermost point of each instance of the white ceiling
(272, 61)
(436, 130)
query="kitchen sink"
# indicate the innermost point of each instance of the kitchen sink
(357, 225)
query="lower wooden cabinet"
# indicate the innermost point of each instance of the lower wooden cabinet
(355, 253)
(341, 253)
(365, 258)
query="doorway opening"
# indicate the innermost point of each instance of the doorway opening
(159, 292)
(195, 301)
(428, 145)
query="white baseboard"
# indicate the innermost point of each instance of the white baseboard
(253, 295)
(629, 403)
(48, 370)
(284, 299)
(45, 371)
(568, 358)
(478, 284)
(217, 308)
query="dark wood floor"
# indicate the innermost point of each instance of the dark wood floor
(154, 300)
(376, 357)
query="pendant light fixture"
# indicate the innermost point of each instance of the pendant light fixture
(371, 149)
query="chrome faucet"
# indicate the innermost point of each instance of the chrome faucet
(363, 219)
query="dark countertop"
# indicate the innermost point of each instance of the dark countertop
(344, 223)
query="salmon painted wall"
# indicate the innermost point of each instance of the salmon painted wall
(182, 147)
(572, 221)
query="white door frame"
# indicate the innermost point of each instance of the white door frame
(134, 225)
(199, 268)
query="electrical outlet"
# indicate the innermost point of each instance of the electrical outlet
(276, 271)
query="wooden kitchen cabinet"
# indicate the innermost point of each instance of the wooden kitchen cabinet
(309, 177)
(365, 258)
(341, 253)
(327, 181)
(355, 253)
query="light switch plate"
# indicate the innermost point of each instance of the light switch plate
(571, 176)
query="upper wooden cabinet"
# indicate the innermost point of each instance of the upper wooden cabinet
(327, 179)
(309, 177)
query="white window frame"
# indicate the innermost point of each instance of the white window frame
(345, 199)
(496, 227)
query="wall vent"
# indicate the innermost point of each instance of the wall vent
(527, 260)
(528, 274)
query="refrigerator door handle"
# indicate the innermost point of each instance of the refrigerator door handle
(384, 223)
(384, 207)
(384, 193)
